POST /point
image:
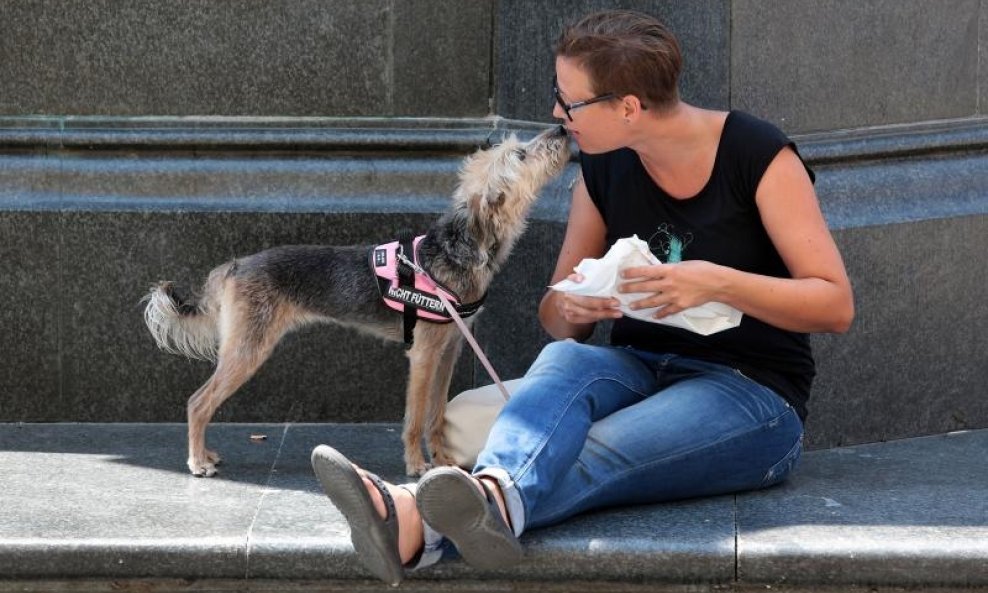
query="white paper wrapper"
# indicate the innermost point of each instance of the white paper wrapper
(602, 276)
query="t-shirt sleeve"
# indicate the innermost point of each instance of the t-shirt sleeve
(762, 142)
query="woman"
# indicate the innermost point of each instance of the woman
(727, 204)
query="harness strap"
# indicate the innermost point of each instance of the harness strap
(473, 344)
(407, 272)
(406, 279)
(464, 309)
(410, 290)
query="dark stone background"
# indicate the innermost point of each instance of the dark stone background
(154, 140)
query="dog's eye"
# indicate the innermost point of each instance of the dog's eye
(521, 154)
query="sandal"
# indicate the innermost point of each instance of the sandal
(449, 501)
(374, 539)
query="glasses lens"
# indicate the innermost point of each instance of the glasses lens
(559, 99)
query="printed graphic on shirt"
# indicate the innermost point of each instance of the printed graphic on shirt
(667, 245)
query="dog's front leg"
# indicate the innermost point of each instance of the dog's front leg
(436, 408)
(425, 358)
(421, 372)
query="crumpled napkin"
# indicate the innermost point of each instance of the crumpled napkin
(601, 278)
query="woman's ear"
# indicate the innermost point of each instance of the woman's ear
(631, 107)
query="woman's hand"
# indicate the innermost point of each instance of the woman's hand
(674, 287)
(584, 309)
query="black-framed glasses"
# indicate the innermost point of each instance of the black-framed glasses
(568, 107)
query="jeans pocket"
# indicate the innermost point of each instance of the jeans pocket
(781, 470)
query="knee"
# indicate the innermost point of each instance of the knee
(563, 356)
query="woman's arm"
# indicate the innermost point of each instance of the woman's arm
(817, 298)
(564, 315)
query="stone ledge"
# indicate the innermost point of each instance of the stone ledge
(434, 135)
(317, 134)
(113, 502)
(865, 177)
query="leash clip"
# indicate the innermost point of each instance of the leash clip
(404, 259)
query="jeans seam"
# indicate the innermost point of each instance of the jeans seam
(765, 387)
(793, 451)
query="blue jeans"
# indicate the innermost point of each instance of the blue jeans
(598, 426)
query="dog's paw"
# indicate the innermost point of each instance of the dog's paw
(202, 469)
(440, 458)
(213, 457)
(415, 463)
(417, 468)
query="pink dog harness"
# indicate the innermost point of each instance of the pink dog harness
(409, 290)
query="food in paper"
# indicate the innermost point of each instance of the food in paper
(602, 276)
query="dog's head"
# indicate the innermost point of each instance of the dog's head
(499, 185)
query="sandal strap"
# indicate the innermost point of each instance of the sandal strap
(492, 504)
(391, 515)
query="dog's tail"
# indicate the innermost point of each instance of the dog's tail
(186, 326)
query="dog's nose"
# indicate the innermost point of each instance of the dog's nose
(561, 131)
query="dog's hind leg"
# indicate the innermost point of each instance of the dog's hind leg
(436, 406)
(233, 370)
(248, 336)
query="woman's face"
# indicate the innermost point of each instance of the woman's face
(597, 127)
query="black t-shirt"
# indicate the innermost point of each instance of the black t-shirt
(720, 224)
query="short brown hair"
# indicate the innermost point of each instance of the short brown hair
(626, 53)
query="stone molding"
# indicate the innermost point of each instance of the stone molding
(425, 135)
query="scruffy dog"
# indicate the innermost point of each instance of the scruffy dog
(247, 305)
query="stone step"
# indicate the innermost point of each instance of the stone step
(90, 505)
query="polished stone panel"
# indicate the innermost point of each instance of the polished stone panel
(449, 59)
(111, 368)
(527, 30)
(983, 62)
(30, 365)
(823, 65)
(442, 58)
(912, 231)
(301, 58)
(913, 362)
(910, 513)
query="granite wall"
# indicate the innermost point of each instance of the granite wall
(149, 140)
(809, 65)
(241, 57)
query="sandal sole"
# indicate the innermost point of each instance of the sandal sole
(450, 502)
(371, 537)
